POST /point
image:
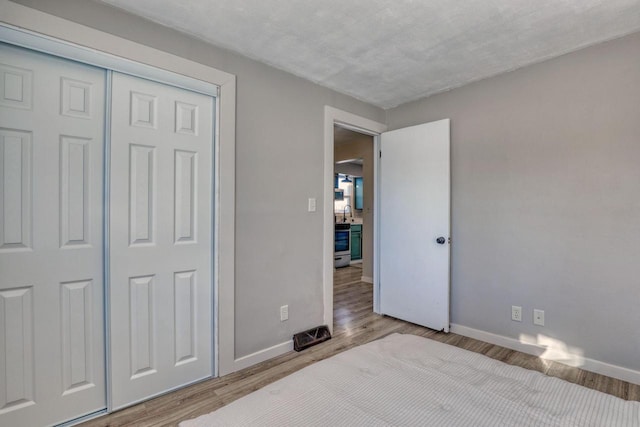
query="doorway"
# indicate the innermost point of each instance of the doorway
(353, 217)
(353, 200)
(349, 127)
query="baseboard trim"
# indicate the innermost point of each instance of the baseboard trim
(262, 355)
(366, 279)
(547, 353)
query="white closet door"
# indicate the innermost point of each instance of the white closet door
(160, 238)
(51, 243)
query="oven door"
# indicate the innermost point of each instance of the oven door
(342, 241)
(342, 248)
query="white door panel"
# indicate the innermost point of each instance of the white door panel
(414, 212)
(51, 217)
(160, 238)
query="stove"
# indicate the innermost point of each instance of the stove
(342, 245)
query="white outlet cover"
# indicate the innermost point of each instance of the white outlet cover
(538, 317)
(312, 204)
(284, 313)
(516, 313)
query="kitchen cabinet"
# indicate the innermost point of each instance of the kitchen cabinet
(356, 241)
(358, 193)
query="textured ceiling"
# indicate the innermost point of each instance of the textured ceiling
(388, 52)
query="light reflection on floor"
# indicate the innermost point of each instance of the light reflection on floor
(552, 349)
(351, 298)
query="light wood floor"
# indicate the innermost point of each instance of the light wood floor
(354, 324)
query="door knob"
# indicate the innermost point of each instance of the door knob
(440, 240)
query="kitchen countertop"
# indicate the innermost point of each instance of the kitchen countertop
(354, 222)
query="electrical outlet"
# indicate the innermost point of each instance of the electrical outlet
(516, 313)
(538, 317)
(284, 313)
(312, 204)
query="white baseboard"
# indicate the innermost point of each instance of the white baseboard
(548, 353)
(262, 355)
(366, 279)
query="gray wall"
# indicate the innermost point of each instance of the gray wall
(546, 199)
(546, 190)
(279, 118)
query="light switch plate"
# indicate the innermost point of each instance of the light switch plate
(312, 204)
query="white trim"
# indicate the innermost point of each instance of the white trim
(106, 273)
(80, 35)
(74, 52)
(52, 27)
(262, 355)
(83, 419)
(376, 225)
(351, 121)
(542, 351)
(366, 279)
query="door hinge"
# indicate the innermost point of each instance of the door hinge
(380, 153)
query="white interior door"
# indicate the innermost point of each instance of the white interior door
(415, 223)
(51, 260)
(160, 238)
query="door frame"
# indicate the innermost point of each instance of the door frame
(334, 116)
(39, 31)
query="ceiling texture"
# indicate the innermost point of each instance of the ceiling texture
(388, 52)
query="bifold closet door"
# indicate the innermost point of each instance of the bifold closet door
(52, 365)
(160, 238)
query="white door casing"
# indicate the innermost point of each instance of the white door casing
(51, 243)
(414, 212)
(160, 238)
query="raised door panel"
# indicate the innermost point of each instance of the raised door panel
(185, 316)
(186, 120)
(185, 196)
(75, 173)
(76, 98)
(15, 190)
(77, 330)
(16, 349)
(16, 87)
(142, 326)
(141, 194)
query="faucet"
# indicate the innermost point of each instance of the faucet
(344, 213)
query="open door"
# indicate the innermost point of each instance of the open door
(415, 224)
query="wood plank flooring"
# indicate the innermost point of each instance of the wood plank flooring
(354, 324)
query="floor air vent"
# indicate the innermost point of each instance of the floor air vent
(311, 337)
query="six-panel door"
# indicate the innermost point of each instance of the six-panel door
(160, 238)
(52, 364)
